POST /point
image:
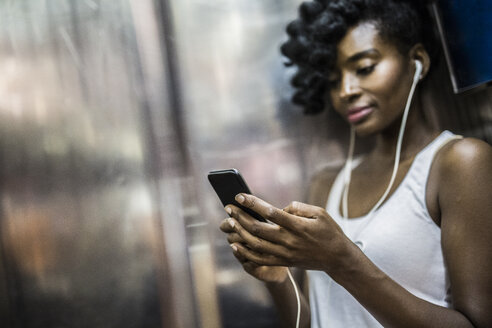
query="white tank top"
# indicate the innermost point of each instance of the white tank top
(401, 239)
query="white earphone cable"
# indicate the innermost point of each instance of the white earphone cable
(418, 71)
(297, 297)
(348, 165)
(348, 173)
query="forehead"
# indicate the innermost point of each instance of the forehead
(362, 37)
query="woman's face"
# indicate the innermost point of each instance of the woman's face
(372, 80)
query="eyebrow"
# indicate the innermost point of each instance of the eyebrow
(362, 54)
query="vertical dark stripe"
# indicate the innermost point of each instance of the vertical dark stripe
(163, 9)
(154, 170)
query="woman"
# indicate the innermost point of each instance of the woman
(418, 255)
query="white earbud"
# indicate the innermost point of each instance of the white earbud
(418, 70)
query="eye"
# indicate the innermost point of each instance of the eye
(366, 70)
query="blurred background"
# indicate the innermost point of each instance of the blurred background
(111, 115)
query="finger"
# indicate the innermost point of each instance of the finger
(269, 211)
(235, 238)
(304, 210)
(258, 244)
(225, 226)
(258, 258)
(239, 257)
(263, 230)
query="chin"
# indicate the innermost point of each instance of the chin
(366, 129)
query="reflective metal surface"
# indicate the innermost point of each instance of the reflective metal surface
(82, 223)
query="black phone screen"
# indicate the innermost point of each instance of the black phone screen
(227, 184)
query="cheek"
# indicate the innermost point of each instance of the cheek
(391, 84)
(334, 100)
(387, 80)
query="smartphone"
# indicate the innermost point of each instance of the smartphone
(227, 184)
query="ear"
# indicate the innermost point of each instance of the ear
(418, 52)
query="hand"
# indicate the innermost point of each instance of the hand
(301, 235)
(270, 274)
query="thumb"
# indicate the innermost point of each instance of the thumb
(304, 210)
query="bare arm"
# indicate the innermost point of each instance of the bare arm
(466, 223)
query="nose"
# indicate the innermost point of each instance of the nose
(349, 88)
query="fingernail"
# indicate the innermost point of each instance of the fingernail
(231, 223)
(234, 248)
(228, 210)
(240, 198)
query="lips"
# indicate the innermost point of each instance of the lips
(357, 114)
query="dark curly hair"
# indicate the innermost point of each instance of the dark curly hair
(314, 35)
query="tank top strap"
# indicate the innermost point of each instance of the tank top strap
(420, 169)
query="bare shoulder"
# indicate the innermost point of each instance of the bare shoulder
(464, 156)
(464, 175)
(320, 185)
